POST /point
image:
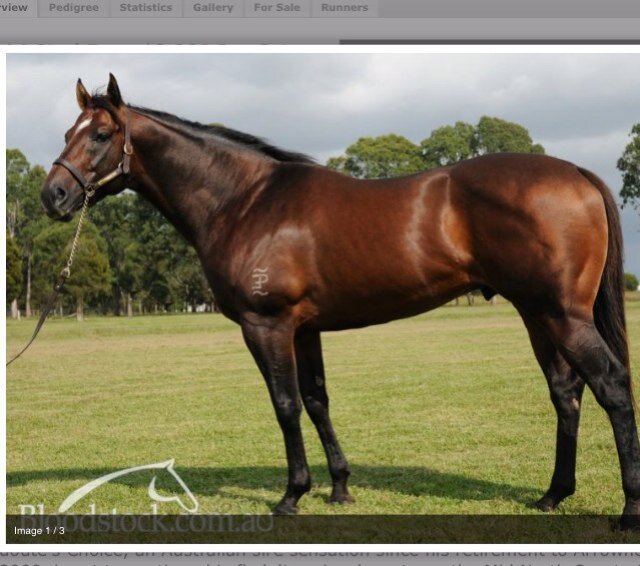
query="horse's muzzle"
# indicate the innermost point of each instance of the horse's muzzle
(59, 203)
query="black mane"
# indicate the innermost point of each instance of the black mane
(253, 142)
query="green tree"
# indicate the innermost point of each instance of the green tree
(393, 155)
(90, 274)
(14, 275)
(187, 282)
(494, 135)
(117, 217)
(381, 157)
(631, 282)
(629, 166)
(448, 144)
(24, 213)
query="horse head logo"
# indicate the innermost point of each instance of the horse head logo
(185, 500)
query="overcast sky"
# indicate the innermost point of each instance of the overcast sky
(580, 107)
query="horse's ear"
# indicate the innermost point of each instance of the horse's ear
(82, 95)
(113, 90)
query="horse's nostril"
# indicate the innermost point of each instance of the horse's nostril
(60, 195)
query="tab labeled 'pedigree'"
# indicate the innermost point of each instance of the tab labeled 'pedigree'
(72, 9)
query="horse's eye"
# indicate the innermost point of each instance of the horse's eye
(103, 136)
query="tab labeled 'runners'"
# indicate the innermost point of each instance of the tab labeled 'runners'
(345, 9)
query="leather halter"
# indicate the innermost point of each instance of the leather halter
(123, 168)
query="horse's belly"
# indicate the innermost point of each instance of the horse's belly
(374, 303)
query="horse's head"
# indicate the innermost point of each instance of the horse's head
(94, 148)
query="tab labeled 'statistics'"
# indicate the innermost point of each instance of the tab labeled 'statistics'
(154, 9)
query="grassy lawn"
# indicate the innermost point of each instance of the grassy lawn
(444, 413)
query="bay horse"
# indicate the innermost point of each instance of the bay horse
(292, 249)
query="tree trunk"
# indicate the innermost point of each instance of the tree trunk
(140, 310)
(79, 309)
(129, 305)
(61, 309)
(117, 300)
(470, 299)
(15, 311)
(27, 306)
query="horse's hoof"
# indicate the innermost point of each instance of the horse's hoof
(550, 500)
(341, 498)
(545, 504)
(285, 508)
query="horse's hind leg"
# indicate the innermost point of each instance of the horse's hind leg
(271, 344)
(311, 379)
(583, 347)
(565, 388)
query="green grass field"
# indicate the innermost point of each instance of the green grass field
(445, 413)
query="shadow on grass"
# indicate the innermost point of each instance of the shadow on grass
(211, 481)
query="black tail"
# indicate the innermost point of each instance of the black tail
(608, 310)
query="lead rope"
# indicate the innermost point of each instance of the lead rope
(64, 275)
(66, 272)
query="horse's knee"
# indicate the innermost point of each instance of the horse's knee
(288, 412)
(567, 408)
(318, 410)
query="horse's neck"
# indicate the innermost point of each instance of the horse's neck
(192, 180)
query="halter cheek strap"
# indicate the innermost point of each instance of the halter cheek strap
(123, 168)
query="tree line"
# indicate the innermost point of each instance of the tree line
(131, 260)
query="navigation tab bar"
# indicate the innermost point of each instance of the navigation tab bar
(190, 8)
(427, 10)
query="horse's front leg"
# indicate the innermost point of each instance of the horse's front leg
(311, 379)
(271, 343)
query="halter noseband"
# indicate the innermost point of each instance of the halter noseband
(90, 187)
